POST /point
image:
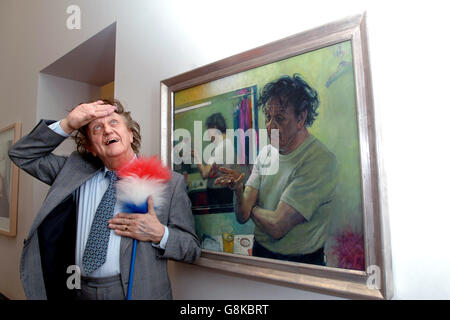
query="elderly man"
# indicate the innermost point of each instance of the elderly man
(79, 222)
(291, 208)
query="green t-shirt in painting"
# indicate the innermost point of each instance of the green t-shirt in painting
(306, 180)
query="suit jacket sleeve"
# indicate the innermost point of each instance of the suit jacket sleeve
(33, 153)
(183, 243)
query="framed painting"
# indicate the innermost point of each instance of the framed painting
(9, 181)
(278, 149)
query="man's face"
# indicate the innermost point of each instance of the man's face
(283, 118)
(110, 137)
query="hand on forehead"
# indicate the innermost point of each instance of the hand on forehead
(101, 109)
(84, 113)
(104, 118)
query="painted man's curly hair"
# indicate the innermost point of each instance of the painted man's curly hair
(292, 90)
(82, 140)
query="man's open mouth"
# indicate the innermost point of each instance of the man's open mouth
(111, 141)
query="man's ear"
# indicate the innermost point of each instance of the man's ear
(89, 149)
(131, 135)
(302, 119)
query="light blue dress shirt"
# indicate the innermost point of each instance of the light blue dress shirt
(88, 197)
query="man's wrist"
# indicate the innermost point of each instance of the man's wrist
(161, 234)
(65, 126)
(56, 127)
(238, 187)
(162, 243)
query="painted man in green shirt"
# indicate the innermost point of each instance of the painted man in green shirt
(292, 207)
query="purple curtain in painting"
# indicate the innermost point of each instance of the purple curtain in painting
(245, 117)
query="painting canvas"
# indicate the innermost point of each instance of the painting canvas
(277, 146)
(329, 71)
(8, 181)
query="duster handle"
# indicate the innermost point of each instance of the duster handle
(130, 278)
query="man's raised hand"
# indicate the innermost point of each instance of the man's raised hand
(85, 113)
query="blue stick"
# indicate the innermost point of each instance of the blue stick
(130, 278)
(130, 207)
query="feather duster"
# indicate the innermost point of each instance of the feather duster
(140, 179)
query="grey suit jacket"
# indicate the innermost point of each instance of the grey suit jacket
(49, 247)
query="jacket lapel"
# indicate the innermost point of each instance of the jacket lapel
(76, 171)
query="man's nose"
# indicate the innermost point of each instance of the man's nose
(107, 129)
(271, 125)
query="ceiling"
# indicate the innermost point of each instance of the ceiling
(91, 62)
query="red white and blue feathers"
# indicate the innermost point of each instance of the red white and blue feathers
(140, 179)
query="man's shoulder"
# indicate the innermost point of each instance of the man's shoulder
(176, 185)
(78, 161)
(318, 148)
(323, 158)
(315, 157)
(176, 176)
(175, 179)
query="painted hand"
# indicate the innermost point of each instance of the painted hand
(231, 178)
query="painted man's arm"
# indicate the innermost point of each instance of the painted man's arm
(279, 222)
(245, 201)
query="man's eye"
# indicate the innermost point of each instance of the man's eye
(113, 121)
(97, 128)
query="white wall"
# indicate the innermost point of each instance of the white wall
(160, 39)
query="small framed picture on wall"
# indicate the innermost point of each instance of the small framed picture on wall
(9, 181)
